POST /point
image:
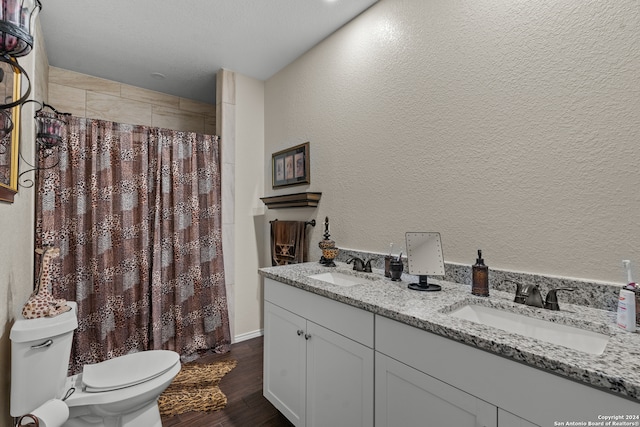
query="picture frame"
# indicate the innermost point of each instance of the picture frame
(291, 166)
(10, 91)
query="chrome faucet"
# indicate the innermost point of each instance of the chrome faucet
(530, 295)
(359, 264)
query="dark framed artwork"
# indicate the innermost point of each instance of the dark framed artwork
(291, 166)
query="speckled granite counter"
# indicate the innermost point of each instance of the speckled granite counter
(616, 370)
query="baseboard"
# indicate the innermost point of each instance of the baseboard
(248, 336)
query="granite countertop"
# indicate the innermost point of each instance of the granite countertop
(616, 370)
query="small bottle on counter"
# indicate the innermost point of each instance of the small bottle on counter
(480, 277)
(626, 318)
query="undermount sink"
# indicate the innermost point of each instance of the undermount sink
(554, 333)
(340, 279)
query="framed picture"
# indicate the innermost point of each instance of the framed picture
(9, 131)
(291, 166)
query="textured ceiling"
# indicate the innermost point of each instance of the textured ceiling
(187, 41)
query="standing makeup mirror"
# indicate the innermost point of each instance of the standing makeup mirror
(424, 256)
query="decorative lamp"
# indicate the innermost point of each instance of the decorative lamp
(49, 127)
(16, 25)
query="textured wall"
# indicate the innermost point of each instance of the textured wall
(511, 126)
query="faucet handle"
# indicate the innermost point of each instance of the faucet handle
(358, 264)
(532, 295)
(520, 297)
(551, 302)
(367, 266)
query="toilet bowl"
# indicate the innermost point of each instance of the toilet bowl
(119, 392)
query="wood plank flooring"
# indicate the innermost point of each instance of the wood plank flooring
(246, 407)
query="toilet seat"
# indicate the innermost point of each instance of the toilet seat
(126, 371)
(80, 401)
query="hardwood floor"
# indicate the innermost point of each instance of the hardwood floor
(246, 407)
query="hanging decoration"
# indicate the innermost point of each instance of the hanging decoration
(16, 38)
(49, 126)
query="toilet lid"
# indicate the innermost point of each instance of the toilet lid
(128, 370)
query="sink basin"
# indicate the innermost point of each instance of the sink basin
(554, 333)
(339, 279)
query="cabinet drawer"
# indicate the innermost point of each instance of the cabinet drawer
(352, 322)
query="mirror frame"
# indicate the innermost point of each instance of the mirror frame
(8, 190)
(433, 265)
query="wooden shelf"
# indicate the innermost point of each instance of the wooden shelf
(297, 200)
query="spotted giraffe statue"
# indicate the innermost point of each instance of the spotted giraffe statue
(41, 303)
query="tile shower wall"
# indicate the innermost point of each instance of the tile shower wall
(87, 96)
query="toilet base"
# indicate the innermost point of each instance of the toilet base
(148, 416)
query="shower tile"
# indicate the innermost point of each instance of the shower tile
(116, 109)
(226, 80)
(228, 197)
(228, 134)
(210, 123)
(196, 106)
(149, 96)
(68, 99)
(172, 118)
(83, 81)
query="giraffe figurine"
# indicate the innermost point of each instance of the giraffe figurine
(41, 303)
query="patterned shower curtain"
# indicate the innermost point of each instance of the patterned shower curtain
(136, 214)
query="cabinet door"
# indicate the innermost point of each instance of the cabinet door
(409, 398)
(284, 362)
(339, 380)
(507, 419)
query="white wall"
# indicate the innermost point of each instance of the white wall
(249, 211)
(16, 226)
(511, 126)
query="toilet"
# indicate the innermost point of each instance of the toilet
(119, 392)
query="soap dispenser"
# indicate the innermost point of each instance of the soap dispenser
(480, 277)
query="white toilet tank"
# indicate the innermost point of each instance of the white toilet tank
(40, 352)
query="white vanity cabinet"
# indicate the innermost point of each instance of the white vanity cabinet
(508, 419)
(318, 358)
(285, 362)
(409, 398)
(437, 372)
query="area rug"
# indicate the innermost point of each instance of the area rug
(195, 388)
